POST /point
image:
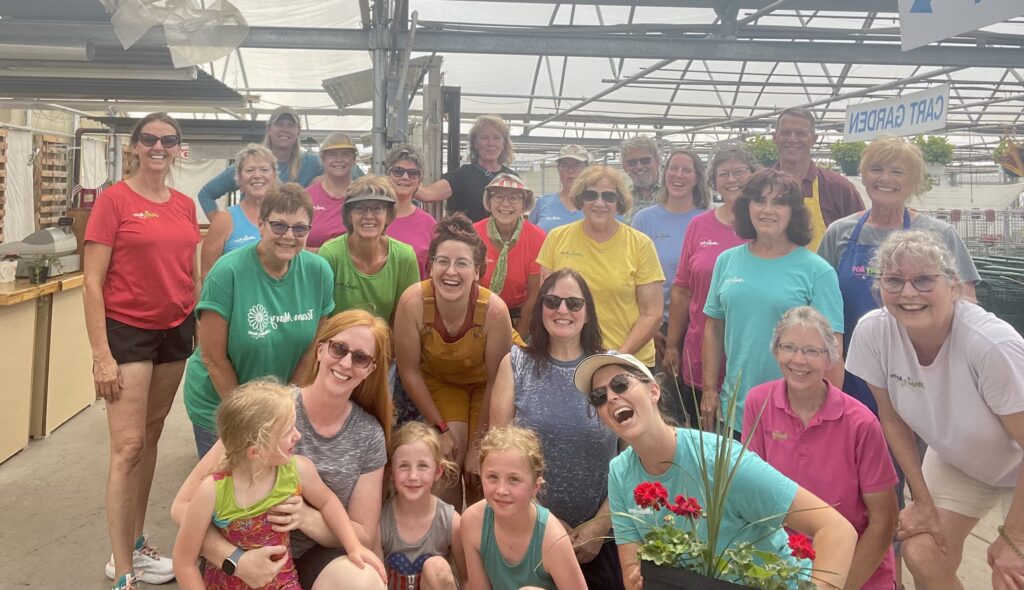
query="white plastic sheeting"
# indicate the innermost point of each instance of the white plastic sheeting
(94, 162)
(188, 176)
(19, 210)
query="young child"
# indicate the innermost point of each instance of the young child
(509, 539)
(257, 427)
(413, 512)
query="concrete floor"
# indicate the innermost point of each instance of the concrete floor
(53, 534)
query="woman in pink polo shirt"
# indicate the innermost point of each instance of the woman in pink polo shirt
(826, 441)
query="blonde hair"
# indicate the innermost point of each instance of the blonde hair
(414, 432)
(888, 149)
(252, 417)
(594, 174)
(254, 150)
(372, 395)
(513, 438)
(507, 151)
(919, 246)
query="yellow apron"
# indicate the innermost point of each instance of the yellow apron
(813, 204)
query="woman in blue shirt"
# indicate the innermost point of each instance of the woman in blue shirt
(760, 500)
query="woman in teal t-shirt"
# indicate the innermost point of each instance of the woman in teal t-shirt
(760, 500)
(260, 308)
(371, 270)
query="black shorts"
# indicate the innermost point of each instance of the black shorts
(314, 561)
(129, 344)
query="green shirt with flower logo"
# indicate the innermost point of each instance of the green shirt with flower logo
(270, 322)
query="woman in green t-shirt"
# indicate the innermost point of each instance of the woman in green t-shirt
(371, 270)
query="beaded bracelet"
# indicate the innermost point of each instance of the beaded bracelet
(1009, 541)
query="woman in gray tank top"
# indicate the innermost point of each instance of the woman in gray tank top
(534, 388)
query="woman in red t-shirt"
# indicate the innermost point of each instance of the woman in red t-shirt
(140, 282)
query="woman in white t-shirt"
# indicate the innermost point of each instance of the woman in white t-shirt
(953, 373)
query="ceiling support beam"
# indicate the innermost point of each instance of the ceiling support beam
(540, 40)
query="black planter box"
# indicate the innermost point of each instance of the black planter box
(663, 577)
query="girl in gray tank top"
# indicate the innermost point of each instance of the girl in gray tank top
(419, 531)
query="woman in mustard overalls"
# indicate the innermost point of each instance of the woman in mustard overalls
(450, 337)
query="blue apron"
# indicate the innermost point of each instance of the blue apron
(855, 282)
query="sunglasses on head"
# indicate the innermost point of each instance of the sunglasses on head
(339, 350)
(280, 228)
(398, 172)
(618, 385)
(553, 302)
(606, 196)
(168, 141)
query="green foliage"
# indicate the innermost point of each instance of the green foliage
(936, 149)
(847, 155)
(763, 149)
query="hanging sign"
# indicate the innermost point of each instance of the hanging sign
(909, 114)
(927, 21)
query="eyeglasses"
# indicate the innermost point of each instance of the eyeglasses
(571, 165)
(361, 210)
(920, 283)
(738, 174)
(280, 228)
(619, 385)
(398, 172)
(168, 141)
(553, 302)
(606, 196)
(339, 350)
(646, 161)
(511, 199)
(790, 349)
(460, 263)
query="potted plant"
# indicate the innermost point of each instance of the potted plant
(1010, 156)
(40, 269)
(678, 557)
(847, 155)
(764, 150)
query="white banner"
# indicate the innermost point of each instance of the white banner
(926, 21)
(909, 114)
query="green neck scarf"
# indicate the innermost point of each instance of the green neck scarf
(501, 266)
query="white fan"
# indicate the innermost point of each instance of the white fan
(194, 34)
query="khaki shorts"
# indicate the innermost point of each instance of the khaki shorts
(457, 403)
(958, 492)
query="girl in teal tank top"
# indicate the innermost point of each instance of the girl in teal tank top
(510, 542)
(256, 426)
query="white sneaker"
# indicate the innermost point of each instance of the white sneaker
(150, 567)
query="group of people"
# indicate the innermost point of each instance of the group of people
(527, 360)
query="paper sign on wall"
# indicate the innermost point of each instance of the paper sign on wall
(909, 114)
(926, 21)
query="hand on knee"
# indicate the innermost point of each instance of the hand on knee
(437, 574)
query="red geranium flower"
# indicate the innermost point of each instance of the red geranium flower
(650, 495)
(801, 546)
(688, 507)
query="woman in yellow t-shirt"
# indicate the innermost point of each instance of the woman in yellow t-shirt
(618, 262)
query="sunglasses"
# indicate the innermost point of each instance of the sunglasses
(606, 196)
(339, 350)
(553, 302)
(280, 228)
(619, 385)
(168, 141)
(920, 283)
(398, 172)
(641, 161)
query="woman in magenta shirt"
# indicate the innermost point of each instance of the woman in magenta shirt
(827, 442)
(707, 236)
(411, 225)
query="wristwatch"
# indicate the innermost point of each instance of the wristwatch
(231, 561)
(441, 426)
